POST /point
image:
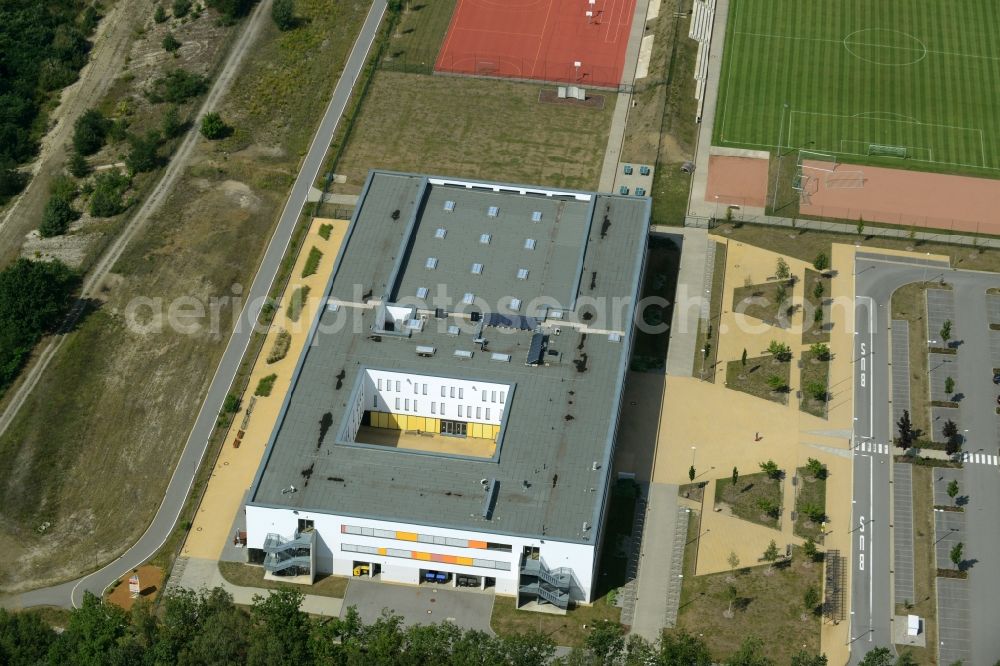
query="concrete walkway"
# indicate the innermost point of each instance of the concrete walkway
(689, 298)
(195, 573)
(659, 550)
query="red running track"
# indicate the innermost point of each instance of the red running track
(539, 39)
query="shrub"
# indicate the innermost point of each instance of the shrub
(78, 165)
(817, 390)
(312, 262)
(297, 303)
(816, 468)
(181, 8)
(213, 127)
(89, 132)
(949, 385)
(109, 188)
(57, 216)
(820, 351)
(821, 262)
(781, 270)
(325, 230)
(12, 181)
(771, 469)
(265, 385)
(777, 383)
(780, 351)
(142, 155)
(170, 43)
(159, 14)
(177, 86)
(231, 9)
(280, 347)
(230, 405)
(172, 126)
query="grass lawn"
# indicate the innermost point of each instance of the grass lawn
(813, 332)
(77, 452)
(744, 498)
(888, 61)
(767, 606)
(814, 370)
(753, 377)
(811, 491)
(562, 629)
(764, 302)
(246, 575)
(474, 128)
(415, 44)
(650, 349)
(924, 588)
(704, 365)
(909, 302)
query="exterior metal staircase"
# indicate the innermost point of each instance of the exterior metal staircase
(283, 553)
(549, 585)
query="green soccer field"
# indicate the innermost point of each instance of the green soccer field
(865, 78)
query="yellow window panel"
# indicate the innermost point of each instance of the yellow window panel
(406, 536)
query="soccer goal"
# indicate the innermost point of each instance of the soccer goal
(817, 161)
(880, 150)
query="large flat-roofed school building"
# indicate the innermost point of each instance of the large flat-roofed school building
(453, 417)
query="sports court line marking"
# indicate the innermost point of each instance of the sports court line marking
(727, 53)
(887, 46)
(500, 32)
(545, 25)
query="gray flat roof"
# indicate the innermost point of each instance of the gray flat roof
(561, 418)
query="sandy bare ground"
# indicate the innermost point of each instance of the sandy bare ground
(112, 42)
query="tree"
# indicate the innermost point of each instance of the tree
(818, 289)
(803, 658)
(172, 126)
(734, 560)
(811, 599)
(952, 438)
(56, 217)
(780, 351)
(949, 385)
(768, 507)
(231, 9)
(743, 358)
(860, 226)
(878, 657)
(732, 594)
(170, 43)
(821, 262)
(946, 331)
(781, 270)
(142, 155)
(816, 390)
(781, 293)
(771, 469)
(213, 127)
(816, 468)
(231, 404)
(684, 648)
(818, 316)
(181, 8)
(810, 550)
(12, 181)
(691, 473)
(77, 165)
(814, 512)
(109, 188)
(24, 638)
(283, 14)
(280, 633)
(820, 351)
(905, 429)
(736, 475)
(749, 654)
(89, 132)
(956, 554)
(605, 641)
(159, 14)
(771, 554)
(177, 86)
(953, 488)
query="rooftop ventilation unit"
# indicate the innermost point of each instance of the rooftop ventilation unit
(529, 243)
(440, 233)
(501, 358)
(615, 337)
(463, 353)
(426, 352)
(421, 292)
(431, 263)
(468, 298)
(537, 350)
(454, 330)
(415, 324)
(536, 216)
(332, 306)
(485, 239)
(490, 500)
(449, 206)
(493, 211)
(522, 273)
(515, 304)
(555, 314)
(477, 269)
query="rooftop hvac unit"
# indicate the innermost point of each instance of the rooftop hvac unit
(463, 353)
(425, 351)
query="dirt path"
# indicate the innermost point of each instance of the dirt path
(112, 42)
(95, 278)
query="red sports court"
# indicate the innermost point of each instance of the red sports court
(567, 41)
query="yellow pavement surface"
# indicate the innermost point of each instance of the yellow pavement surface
(235, 468)
(723, 424)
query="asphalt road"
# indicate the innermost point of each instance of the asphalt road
(71, 593)
(872, 602)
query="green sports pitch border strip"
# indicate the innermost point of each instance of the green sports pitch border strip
(874, 85)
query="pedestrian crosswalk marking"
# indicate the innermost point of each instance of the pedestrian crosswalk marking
(980, 458)
(873, 447)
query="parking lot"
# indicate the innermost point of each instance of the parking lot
(421, 604)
